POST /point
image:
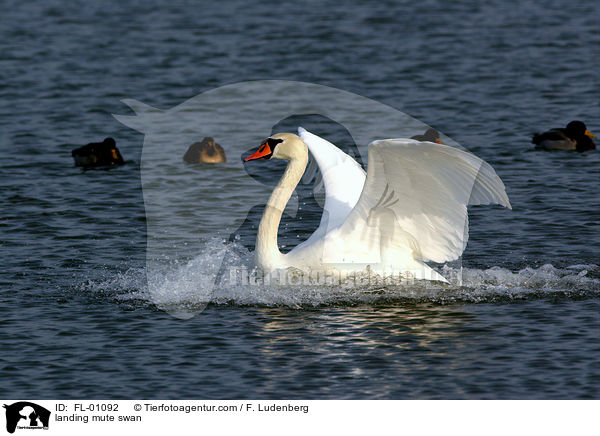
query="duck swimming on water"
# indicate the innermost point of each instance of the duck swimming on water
(207, 151)
(575, 136)
(431, 135)
(98, 154)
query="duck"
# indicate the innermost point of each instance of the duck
(408, 208)
(575, 136)
(98, 154)
(430, 135)
(207, 151)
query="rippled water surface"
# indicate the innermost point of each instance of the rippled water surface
(83, 316)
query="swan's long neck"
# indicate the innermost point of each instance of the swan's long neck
(268, 256)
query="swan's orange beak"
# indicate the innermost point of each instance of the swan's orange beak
(264, 152)
(590, 134)
(439, 141)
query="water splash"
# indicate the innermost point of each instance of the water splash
(185, 287)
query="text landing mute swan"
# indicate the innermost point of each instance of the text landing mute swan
(409, 208)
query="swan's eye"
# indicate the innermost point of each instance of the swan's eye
(273, 142)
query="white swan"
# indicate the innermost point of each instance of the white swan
(409, 208)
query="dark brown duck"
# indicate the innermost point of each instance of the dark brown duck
(207, 151)
(98, 154)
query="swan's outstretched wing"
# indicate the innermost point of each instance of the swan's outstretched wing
(414, 204)
(342, 177)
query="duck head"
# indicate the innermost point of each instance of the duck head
(578, 129)
(433, 135)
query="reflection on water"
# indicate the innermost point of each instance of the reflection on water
(350, 346)
(365, 327)
(417, 351)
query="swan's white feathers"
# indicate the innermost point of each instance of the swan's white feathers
(433, 184)
(341, 175)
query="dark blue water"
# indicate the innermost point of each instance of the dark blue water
(77, 317)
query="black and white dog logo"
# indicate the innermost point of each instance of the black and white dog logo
(24, 414)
